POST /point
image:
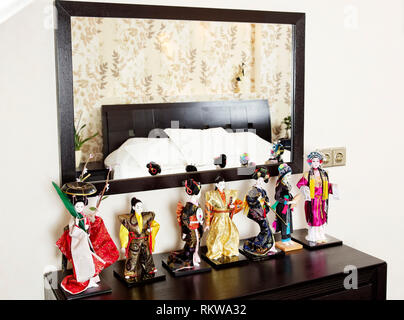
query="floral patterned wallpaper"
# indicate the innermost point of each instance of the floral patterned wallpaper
(122, 61)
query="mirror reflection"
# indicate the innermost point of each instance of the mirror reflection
(131, 76)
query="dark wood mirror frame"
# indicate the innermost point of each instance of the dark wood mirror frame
(64, 74)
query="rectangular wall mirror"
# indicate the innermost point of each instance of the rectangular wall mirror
(187, 88)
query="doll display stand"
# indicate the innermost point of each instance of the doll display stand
(119, 268)
(256, 257)
(102, 288)
(300, 237)
(224, 262)
(203, 267)
(293, 246)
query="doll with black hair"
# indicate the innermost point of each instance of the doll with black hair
(316, 188)
(256, 204)
(190, 220)
(220, 206)
(137, 235)
(86, 243)
(277, 151)
(220, 162)
(153, 168)
(191, 168)
(284, 205)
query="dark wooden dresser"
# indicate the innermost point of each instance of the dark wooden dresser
(304, 274)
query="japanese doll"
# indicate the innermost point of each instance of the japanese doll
(316, 188)
(220, 206)
(190, 220)
(276, 154)
(137, 235)
(86, 243)
(256, 204)
(283, 205)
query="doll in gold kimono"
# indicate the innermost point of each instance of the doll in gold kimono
(220, 206)
(137, 234)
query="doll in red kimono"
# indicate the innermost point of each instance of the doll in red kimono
(86, 243)
(316, 189)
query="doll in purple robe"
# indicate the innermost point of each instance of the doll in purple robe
(316, 189)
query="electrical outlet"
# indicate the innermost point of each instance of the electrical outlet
(328, 157)
(339, 156)
(334, 157)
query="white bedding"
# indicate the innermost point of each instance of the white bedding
(187, 146)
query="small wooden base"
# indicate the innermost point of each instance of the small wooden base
(300, 237)
(256, 257)
(224, 262)
(203, 267)
(292, 246)
(119, 268)
(102, 288)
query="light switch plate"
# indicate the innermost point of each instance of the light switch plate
(328, 157)
(339, 156)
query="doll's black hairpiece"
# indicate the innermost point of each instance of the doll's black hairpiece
(190, 168)
(192, 187)
(221, 161)
(261, 172)
(133, 203)
(153, 168)
(76, 199)
(219, 179)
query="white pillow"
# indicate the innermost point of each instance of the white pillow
(198, 146)
(116, 157)
(129, 168)
(159, 150)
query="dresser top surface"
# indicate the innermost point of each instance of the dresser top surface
(302, 266)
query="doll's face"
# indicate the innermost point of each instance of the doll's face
(261, 182)
(195, 197)
(79, 206)
(220, 186)
(286, 179)
(138, 207)
(315, 163)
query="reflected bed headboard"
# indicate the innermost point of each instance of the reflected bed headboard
(121, 122)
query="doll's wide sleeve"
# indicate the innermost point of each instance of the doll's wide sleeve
(209, 208)
(180, 207)
(155, 227)
(123, 219)
(238, 206)
(304, 188)
(277, 195)
(208, 213)
(302, 182)
(334, 190)
(246, 207)
(123, 236)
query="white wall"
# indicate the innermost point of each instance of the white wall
(353, 99)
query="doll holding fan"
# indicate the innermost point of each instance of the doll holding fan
(190, 221)
(256, 205)
(316, 188)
